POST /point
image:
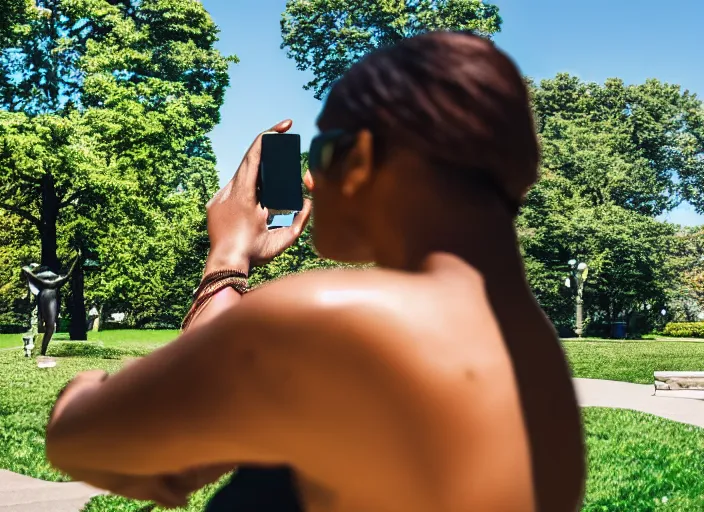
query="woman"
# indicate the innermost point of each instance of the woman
(431, 383)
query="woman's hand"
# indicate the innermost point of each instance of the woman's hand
(237, 223)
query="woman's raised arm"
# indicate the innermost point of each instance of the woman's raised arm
(239, 239)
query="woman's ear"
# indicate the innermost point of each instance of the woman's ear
(359, 164)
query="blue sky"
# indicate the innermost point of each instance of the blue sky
(596, 39)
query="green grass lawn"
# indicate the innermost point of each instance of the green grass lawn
(632, 361)
(126, 338)
(10, 340)
(133, 338)
(27, 396)
(637, 462)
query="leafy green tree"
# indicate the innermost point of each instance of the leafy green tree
(149, 269)
(107, 107)
(695, 286)
(628, 253)
(614, 158)
(686, 261)
(14, 15)
(544, 232)
(17, 244)
(640, 146)
(328, 36)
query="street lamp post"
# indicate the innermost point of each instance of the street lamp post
(580, 271)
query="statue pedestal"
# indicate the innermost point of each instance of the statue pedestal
(32, 340)
(32, 344)
(28, 344)
(46, 362)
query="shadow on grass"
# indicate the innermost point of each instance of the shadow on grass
(94, 350)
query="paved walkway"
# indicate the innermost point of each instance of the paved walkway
(688, 340)
(639, 397)
(23, 494)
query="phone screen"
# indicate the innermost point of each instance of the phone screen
(280, 184)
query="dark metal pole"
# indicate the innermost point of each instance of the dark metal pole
(580, 312)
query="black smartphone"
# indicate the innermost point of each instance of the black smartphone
(280, 184)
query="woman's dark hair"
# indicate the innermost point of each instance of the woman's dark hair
(452, 96)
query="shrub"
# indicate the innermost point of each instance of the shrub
(684, 330)
(13, 329)
(160, 326)
(639, 324)
(63, 324)
(565, 331)
(597, 330)
(115, 326)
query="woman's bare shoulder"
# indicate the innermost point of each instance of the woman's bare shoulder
(321, 304)
(337, 289)
(361, 296)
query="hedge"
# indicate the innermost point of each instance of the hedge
(684, 330)
(13, 329)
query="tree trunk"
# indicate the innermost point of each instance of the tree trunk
(49, 215)
(100, 318)
(78, 329)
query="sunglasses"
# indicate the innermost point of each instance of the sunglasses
(328, 147)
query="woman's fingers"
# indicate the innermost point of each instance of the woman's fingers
(300, 221)
(285, 237)
(308, 181)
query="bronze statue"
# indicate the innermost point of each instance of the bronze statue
(45, 284)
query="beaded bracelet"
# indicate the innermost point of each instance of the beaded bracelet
(211, 286)
(217, 276)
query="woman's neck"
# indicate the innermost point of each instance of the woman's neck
(484, 238)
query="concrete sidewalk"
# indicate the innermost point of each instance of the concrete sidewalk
(686, 340)
(638, 397)
(20, 493)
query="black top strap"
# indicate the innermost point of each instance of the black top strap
(256, 489)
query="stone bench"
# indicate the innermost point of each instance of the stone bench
(680, 384)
